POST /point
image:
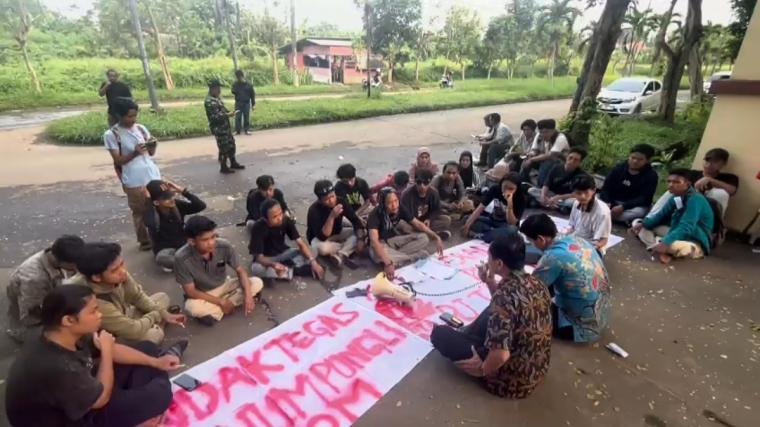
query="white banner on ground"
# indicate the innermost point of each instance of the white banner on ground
(461, 294)
(324, 367)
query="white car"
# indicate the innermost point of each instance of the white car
(721, 75)
(630, 95)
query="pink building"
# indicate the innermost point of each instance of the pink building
(330, 60)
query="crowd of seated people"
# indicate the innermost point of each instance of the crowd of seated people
(60, 296)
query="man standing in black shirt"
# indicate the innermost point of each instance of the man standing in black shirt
(272, 257)
(245, 101)
(325, 230)
(165, 219)
(113, 89)
(74, 375)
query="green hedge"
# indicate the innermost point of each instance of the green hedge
(88, 129)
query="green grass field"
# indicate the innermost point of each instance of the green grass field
(183, 122)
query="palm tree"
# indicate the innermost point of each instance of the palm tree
(641, 23)
(556, 21)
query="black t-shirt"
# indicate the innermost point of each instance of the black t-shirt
(317, 217)
(421, 207)
(728, 178)
(356, 195)
(499, 212)
(560, 181)
(49, 385)
(116, 90)
(387, 230)
(270, 241)
(255, 199)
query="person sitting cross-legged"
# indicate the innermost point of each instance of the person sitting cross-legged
(630, 187)
(450, 188)
(590, 218)
(575, 274)
(509, 344)
(36, 277)
(547, 150)
(513, 159)
(682, 228)
(200, 267)
(75, 374)
(499, 212)
(711, 182)
(165, 219)
(128, 312)
(272, 257)
(354, 189)
(325, 231)
(390, 244)
(422, 162)
(557, 191)
(424, 203)
(265, 190)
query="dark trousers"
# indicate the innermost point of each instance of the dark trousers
(139, 394)
(544, 167)
(457, 345)
(243, 117)
(491, 229)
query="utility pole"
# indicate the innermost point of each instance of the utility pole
(293, 43)
(225, 22)
(143, 55)
(368, 20)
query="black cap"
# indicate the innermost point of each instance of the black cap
(157, 191)
(323, 187)
(214, 83)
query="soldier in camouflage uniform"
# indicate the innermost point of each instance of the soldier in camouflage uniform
(219, 123)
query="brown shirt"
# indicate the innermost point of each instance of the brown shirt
(521, 323)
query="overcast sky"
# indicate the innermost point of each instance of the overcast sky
(346, 15)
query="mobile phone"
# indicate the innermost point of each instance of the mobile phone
(451, 320)
(187, 382)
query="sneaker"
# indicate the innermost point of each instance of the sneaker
(167, 270)
(177, 349)
(476, 236)
(444, 235)
(146, 246)
(247, 132)
(225, 170)
(206, 320)
(174, 309)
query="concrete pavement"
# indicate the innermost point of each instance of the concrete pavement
(687, 327)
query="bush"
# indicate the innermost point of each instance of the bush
(183, 122)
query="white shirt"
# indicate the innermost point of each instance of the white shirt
(542, 147)
(140, 170)
(593, 225)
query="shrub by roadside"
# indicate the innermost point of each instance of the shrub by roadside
(189, 121)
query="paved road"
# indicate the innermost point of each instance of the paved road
(687, 328)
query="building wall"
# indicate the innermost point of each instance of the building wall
(734, 125)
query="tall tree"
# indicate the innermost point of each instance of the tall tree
(606, 34)
(154, 31)
(272, 33)
(16, 19)
(462, 34)
(677, 57)
(743, 12)
(143, 55)
(556, 20)
(496, 45)
(224, 12)
(393, 24)
(662, 32)
(422, 50)
(293, 42)
(641, 23)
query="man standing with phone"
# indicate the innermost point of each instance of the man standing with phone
(219, 124)
(245, 101)
(112, 89)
